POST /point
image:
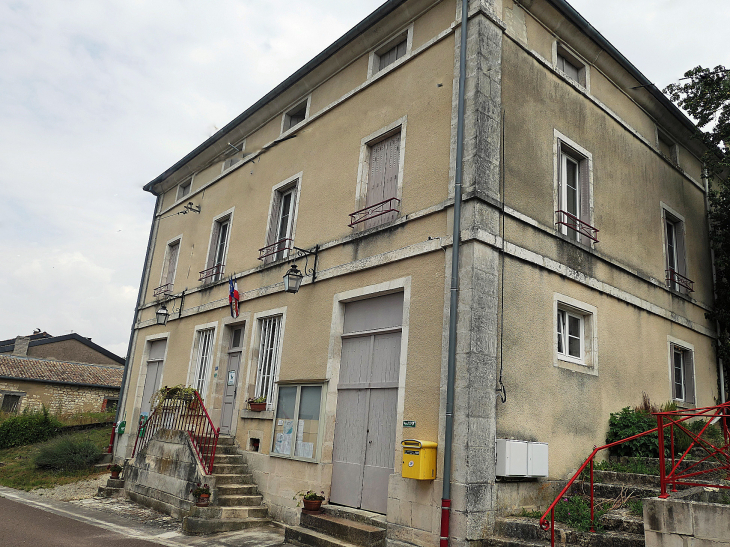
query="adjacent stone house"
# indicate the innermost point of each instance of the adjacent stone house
(583, 267)
(66, 374)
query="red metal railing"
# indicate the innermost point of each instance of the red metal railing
(163, 289)
(675, 278)
(213, 272)
(577, 225)
(721, 456)
(373, 211)
(188, 414)
(286, 244)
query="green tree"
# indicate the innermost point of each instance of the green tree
(705, 95)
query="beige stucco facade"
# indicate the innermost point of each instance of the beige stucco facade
(517, 271)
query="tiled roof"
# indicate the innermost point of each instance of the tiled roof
(47, 370)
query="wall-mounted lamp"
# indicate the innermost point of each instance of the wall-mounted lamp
(162, 315)
(293, 279)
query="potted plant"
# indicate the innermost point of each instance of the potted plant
(115, 469)
(257, 404)
(312, 500)
(201, 493)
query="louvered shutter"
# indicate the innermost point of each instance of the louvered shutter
(561, 205)
(689, 377)
(273, 225)
(213, 245)
(383, 176)
(172, 262)
(680, 250)
(585, 197)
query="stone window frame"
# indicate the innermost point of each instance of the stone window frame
(214, 359)
(668, 214)
(320, 426)
(181, 188)
(687, 348)
(164, 271)
(253, 352)
(384, 46)
(588, 363)
(20, 394)
(289, 183)
(142, 376)
(286, 126)
(561, 49)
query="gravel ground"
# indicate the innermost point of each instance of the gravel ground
(74, 491)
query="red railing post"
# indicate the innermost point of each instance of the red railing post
(552, 527)
(110, 448)
(592, 520)
(671, 433)
(662, 463)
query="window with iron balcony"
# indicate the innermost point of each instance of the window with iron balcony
(215, 265)
(573, 214)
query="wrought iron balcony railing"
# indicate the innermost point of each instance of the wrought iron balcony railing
(282, 246)
(674, 278)
(163, 289)
(564, 218)
(212, 274)
(373, 211)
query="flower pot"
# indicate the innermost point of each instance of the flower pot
(257, 407)
(203, 500)
(312, 505)
(115, 474)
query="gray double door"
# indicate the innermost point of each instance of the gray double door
(367, 400)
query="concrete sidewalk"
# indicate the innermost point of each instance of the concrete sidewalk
(135, 522)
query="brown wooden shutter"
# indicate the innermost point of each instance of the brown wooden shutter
(273, 225)
(383, 176)
(585, 197)
(689, 377)
(213, 245)
(172, 262)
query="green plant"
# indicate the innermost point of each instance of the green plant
(534, 514)
(29, 427)
(178, 392)
(200, 490)
(636, 507)
(261, 399)
(68, 454)
(115, 468)
(629, 422)
(576, 512)
(309, 495)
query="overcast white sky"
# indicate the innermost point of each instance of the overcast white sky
(98, 98)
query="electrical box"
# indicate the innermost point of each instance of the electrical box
(419, 459)
(537, 459)
(521, 459)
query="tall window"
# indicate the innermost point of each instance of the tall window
(574, 195)
(267, 372)
(382, 181)
(203, 359)
(675, 254)
(170, 265)
(682, 374)
(281, 223)
(215, 265)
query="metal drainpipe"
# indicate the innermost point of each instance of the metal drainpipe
(451, 367)
(127, 364)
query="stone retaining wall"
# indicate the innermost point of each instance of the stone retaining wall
(679, 521)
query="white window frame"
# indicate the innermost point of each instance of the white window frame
(201, 365)
(226, 216)
(366, 144)
(296, 107)
(674, 344)
(164, 273)
(278, 192)
(561, 50)
(564, 148)
(181, 188)
(273, 362)
(588, 316)
(385, 46)
(669, 215)
(320, 427)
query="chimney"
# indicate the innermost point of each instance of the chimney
(21, 346)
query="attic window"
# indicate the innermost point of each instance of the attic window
(571, 66)
(183, 189)
(295, 116)
(389, 53)
(666, 146)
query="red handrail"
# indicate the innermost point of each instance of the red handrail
(720, 410)
(178, 413)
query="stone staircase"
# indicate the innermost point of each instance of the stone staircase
(114, 487)
(237, 502)
(338, 526)
(621, 528)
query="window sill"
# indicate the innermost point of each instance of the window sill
(293, 458)
(575, 366)
(251, 415)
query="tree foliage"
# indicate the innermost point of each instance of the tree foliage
(705, 95)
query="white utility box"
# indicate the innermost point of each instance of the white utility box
(511, 458)
(521, 458)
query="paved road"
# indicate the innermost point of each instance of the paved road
(24, 525)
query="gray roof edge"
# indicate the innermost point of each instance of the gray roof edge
(72, 336)
(369, 21)
(578, 20)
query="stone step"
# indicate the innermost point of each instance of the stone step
(344, 529)
(299, 535)
(199, 526)
(229, 459)
(226, 440)
(499, 541)
(106, 458)
(223, 450)
(109, 492)
(233, 478)
(237, 489)
(357, 515)
(529, 530)
(233, 469)
(216, 512)
(239, 501)
(115, 483)
(623, 523)
(613, 491)
(628, 479)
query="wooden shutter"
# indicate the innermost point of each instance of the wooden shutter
(213, 245)
(689, 377)
(680, 250)
(383, 176)
(561, 205)
(273, 224)
(173, 251)
(157, 350)
(585, 197)
(671, 371)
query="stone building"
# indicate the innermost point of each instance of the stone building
(584, 270)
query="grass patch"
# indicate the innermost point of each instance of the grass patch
(636, 507)
(633, 466)
(18, 468)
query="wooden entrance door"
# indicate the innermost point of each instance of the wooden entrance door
(231, 380)
(367, 397)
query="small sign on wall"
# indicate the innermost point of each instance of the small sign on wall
(409, 423)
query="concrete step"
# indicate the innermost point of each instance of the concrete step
(115, 483)
(106, 458)
(225, 449)
(299, 535)
(526, 529)
(233, 478)
(109, 492)
(239, 501)
(627, 479)
(499, 541)
(613, 491)
(237, 490)
(199, 526)
(216, 512)
(226, 440)
(225, 469)
(344, 529)
(623, 523)
(357, 515)
(229, 459)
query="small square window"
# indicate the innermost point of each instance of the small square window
(394, 49)
(571, 66)
(295, 116)
(10, 404)
(575, 336)
(667, 147)
(682, 373)
(570, 335)
(183, 189)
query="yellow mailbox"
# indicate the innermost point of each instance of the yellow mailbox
(419, 459)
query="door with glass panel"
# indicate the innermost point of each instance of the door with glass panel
(231, 380)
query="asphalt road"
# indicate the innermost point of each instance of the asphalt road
(21, 524)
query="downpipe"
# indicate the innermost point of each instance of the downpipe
(454, 293)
